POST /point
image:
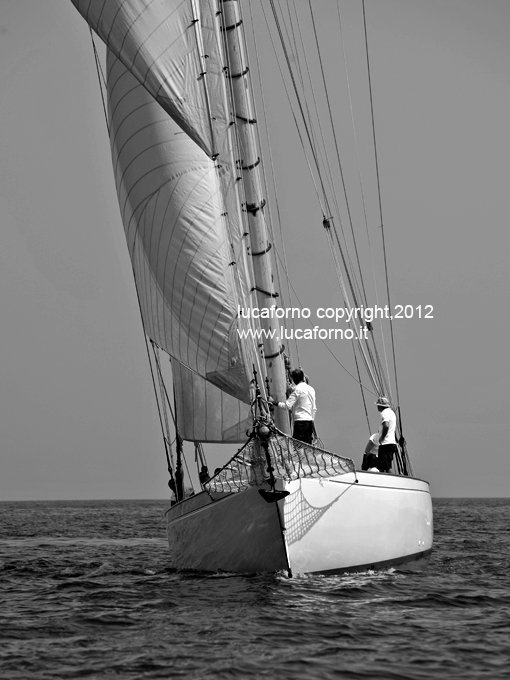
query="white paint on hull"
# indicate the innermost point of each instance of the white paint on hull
(337, 524)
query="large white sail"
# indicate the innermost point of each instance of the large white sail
(206, 413)
(184, 254)
(172, 49)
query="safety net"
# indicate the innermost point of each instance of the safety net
(290, 459)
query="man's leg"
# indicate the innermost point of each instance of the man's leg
(385, 457)
(303, 430)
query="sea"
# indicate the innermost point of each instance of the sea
(87, 590)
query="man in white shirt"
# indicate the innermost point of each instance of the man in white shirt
(387, 442)
(302, 404)
(371, 453)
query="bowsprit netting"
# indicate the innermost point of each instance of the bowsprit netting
(290, 459)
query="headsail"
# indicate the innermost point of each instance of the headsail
(183, 250)
(160, 44)
(205, 413)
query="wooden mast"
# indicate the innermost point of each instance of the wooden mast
(249, 163)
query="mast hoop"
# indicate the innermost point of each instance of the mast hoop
(253, 207)
(263, 252)
(264, 292)
(238, 75)
(253, 165)
(232, 26)
(277, 354)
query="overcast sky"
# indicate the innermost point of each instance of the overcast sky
(77, 415)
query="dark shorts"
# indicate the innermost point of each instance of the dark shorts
(303, 430)
(385, 456)
(369, 461)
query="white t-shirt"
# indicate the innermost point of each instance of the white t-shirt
(301, 402)
(375, 443)
(388, 416)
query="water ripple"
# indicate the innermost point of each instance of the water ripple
(87, 590)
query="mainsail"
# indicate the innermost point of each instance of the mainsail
(181, 245)
(160, 44)
(196, 234)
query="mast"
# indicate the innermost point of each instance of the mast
(249, 162)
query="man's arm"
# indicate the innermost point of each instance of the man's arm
(290, 401)
(384, 430)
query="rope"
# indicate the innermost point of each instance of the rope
(288, 61)
(166, 439)
(352, 283)
(364, 296)
(380, 202)
(361, 389)
(100, 75)
(349, 269)
(319, 198)
(326, 346)
(360, 178)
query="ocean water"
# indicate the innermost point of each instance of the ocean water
(87, 591)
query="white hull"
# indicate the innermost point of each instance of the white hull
(331, 526)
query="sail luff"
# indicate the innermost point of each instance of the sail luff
(249, 162)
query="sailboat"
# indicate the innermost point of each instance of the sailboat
(187, 162)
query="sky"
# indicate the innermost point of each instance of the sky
(78, 419)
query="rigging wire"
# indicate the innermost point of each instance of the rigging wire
(405, 457)
(100, 75)
(300, 104)
(309, 133)
(333, 128)
(326, 213)
(360, 178)
(314, 155)
(377, 374)
(380, 202)
(326, 346)
(320, 149)
(165, 392)
(166, 440)
(344, 292)
(361, 389)
(349, 269)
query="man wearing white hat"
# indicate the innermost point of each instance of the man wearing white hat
(387, 442)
